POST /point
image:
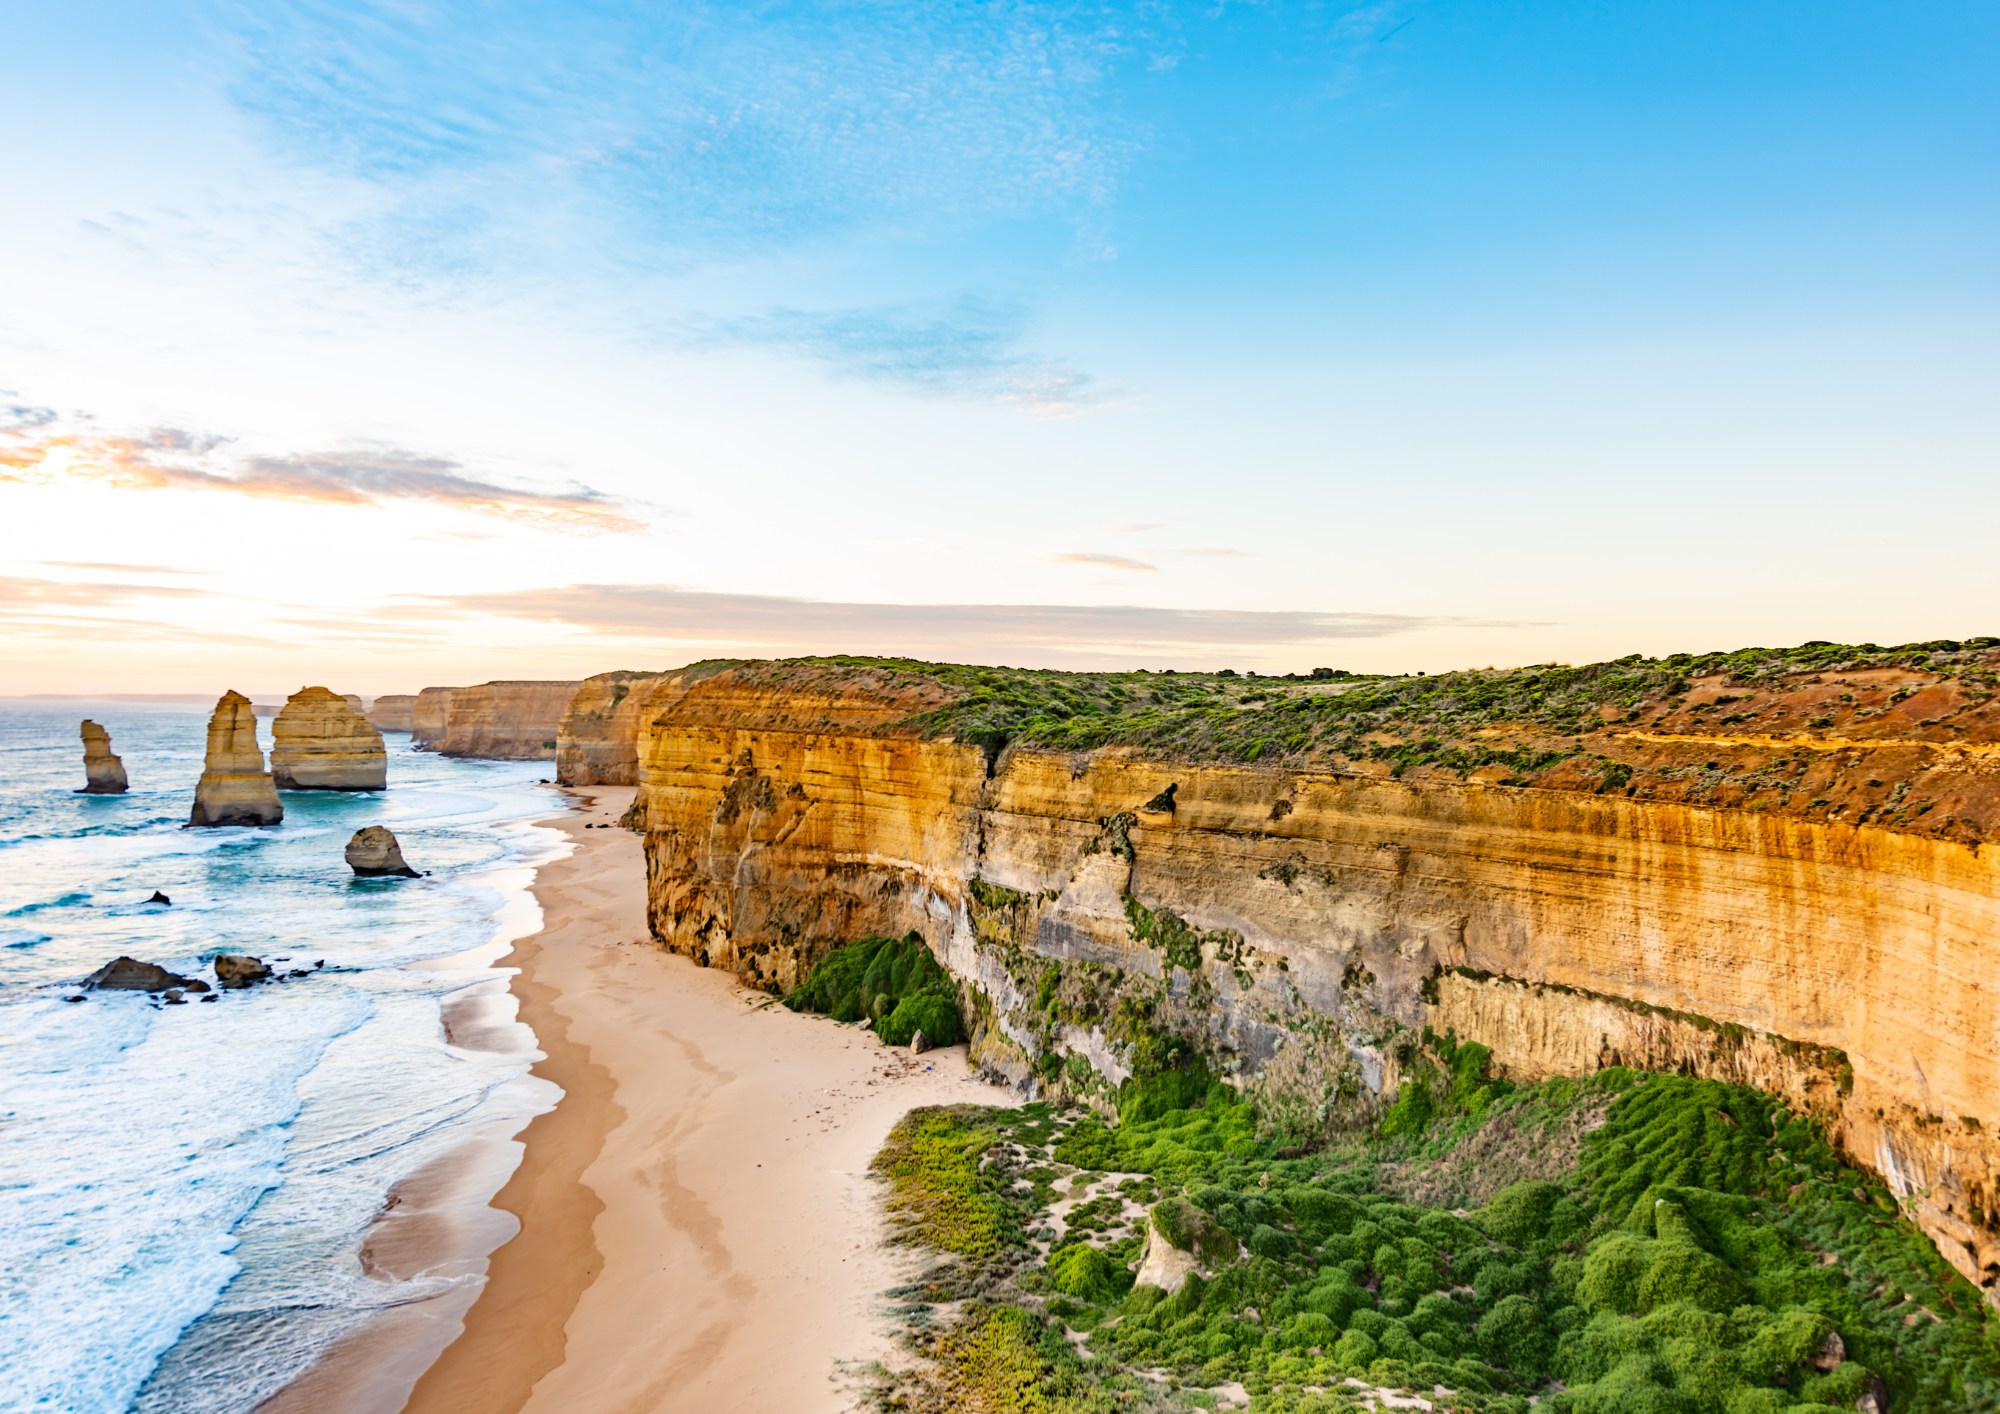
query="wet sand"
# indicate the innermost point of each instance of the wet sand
(697, 1227)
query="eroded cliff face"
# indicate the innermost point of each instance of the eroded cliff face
(321, 741)
(392, 712)
(597, 742)
(430, 716)
(506, 721)
(1273, 914)
(234, 788)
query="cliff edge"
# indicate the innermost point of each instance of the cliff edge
(1768, 867)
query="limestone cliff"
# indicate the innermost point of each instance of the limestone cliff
(234, 788)
(1549, 908)
(508, 721)
(597, 742)
(430, 716)
(391, 712)
(320, 741)
(103, 773)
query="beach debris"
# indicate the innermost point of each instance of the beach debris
(919, 1043)
(159, 897)
(374, 853)
(240, 969)
(234, 789)
(128, 974)
(103, 773)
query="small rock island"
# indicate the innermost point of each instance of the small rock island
(103, 773)
(321, 741)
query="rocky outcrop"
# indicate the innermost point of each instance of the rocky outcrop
(374, 853)
(103, 773)
(321, 741)
(392, 712)
(506, 721)
(235, 789)
(1850, 968)
(430, 716)
(234, 970)
(128, 974)
(597, 741)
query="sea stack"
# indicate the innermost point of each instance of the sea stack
(373, 853)
(391, 712)
(235, 789)
(321, 741)
(103, 773)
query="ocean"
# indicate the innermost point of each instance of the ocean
(184, 1190)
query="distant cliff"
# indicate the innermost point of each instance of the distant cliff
(392, 712)
(430, 716)
(513, 721)
(597, 740)
(1769, 868)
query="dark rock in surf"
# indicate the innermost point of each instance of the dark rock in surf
(128, 974)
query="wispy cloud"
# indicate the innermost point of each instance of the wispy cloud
(107, 568)
(970, 350)
(994, 632)
(1102, 560)
(19, 592)
(41, 452)
(700, 127)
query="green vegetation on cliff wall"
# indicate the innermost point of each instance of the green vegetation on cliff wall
(1698, 1250)
(893, 983)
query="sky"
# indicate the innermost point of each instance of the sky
(388, 343)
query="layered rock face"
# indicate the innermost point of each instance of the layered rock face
(103, 773)
(235, 789)
(597, 742)
(320, 741)
(506, 721)
(392, 712)
(430, 715)
(1853, 969)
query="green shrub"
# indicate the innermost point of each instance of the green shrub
(1191, 1230)
(1088, 1274)
(894, 982)
(1516, 1336)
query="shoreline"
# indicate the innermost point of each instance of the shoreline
(694, 1224)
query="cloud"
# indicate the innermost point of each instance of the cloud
(118, 569)
(168, 458)
(1103, 560)
(994, 632)
(970, 350)
(21, 593)
(705, 128)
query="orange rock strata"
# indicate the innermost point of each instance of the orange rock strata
(320, 741)
(430, 716)
(392, 711)
(506, 721)
(1850, 968)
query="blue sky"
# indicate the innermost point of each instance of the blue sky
(1399, 336)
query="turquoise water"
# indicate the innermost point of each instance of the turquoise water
(184, 1189)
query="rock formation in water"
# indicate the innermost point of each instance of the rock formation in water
(322, 742)
(234, 970)
(597, 742)
(103, 773)
(430, 716)
(506, 721)
(235, 789)
(374, 853)
(391, 712)
(128, 974)
(1772, 869)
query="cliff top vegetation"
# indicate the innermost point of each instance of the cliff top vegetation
(1856, 733)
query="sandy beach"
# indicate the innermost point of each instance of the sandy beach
(698, 1230)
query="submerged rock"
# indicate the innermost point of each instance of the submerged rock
(374, 853)
(235, 789)
(103, 773)
(159, 897)
(238, 969)
(321, 741)
(128, 974)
